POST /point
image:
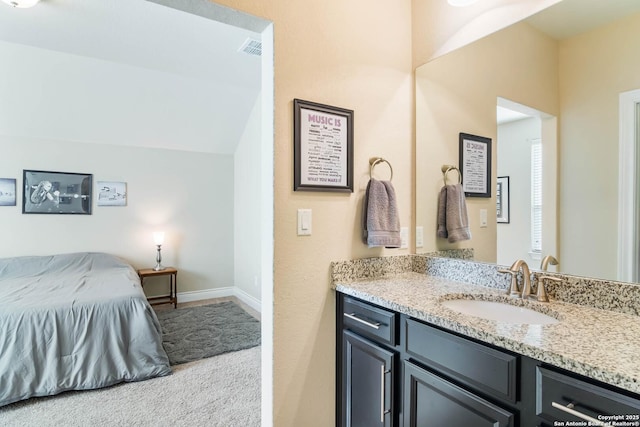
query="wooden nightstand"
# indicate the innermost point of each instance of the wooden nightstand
(172, 298)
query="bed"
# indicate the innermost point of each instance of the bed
(74, 322)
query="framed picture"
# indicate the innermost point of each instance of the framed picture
(502, 199)
(7, 192)
(323, 147)
(111, 193)
(46, 192)
(475, 165)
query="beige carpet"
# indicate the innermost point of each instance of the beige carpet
(219, 391)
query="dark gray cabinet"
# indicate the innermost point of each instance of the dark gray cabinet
(369, 377)
(435, 359)
(561, 397)
(480, 367)
(367, 360)
(394, 370)
(430, 401)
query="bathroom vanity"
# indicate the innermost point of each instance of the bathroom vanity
(405, 359)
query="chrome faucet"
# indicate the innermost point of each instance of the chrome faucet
(515, 290)
(549, 259)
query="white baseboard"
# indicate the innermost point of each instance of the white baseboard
(251, 301)
(228, 291)
(190, 296)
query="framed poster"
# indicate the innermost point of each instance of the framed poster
(322, 147)
(112, 193)
(7, 192)
(47, 192)
(502, 199)
(475, 165)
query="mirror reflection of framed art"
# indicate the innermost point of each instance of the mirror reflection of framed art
(502, 199)
(475, 165)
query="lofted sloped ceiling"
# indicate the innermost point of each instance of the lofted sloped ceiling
(571, 17)
(125, 72)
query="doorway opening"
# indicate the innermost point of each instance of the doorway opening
(264, 147)
(628, 201)
(527, 160)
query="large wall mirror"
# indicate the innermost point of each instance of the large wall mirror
(554, 81)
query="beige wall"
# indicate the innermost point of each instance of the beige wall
(594, 69)
(439, 28)
(353, 55)
(327, 52)
(457, 93)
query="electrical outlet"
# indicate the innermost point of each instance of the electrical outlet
(419, 236)
(404, 237)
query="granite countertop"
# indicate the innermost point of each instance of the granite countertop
(600, 344)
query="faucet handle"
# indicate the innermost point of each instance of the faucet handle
(514, 289)
(541, 292)
(543, 277)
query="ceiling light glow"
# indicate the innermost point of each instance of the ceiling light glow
(22, 4)
(461, 3)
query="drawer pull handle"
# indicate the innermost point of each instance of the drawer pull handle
(569, 410)
(382, 390)
(353, 316)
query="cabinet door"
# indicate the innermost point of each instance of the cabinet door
(367, 387)
(430, 401)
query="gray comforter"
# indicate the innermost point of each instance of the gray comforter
(74, 322)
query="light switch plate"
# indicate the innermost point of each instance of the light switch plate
(304, 222)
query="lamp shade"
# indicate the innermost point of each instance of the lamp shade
(23, 4)
(158, 237)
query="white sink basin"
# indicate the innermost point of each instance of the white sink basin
(499, 311)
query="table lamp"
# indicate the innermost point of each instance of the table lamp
(158, 238)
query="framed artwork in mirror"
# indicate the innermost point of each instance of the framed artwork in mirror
(502, 199)
(322, 147)
(7, 192)
(475, 165)
(46, 192)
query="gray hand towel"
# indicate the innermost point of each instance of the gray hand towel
(442, 213)
(381, 225)
(456, 214)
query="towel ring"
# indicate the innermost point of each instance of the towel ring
(445, 170)
(377, 160)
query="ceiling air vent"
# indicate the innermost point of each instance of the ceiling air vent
(251, 47)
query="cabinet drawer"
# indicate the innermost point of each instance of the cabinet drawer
(580, 397)
(366, 319)
(483, 368)
(431, 401)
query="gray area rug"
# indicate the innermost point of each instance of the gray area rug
(195, 333)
